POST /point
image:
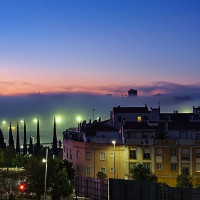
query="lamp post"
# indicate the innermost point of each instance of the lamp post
(114, 155)
(45, 177)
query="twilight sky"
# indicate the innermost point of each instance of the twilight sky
(98, 46)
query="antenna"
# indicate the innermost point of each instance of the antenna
(93, 110)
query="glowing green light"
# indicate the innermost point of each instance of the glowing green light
(4, 122)
(22, 121)
(58, 119)
(78, 118)
(35, 120)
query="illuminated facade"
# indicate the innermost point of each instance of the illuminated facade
(165, 143)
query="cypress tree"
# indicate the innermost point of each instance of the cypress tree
(17, 140)
(30, 149)
(10, 141)
(2, 143)
(25, 144)
(38, 134)
(55, 147)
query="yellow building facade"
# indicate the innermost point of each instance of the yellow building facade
(165, 159)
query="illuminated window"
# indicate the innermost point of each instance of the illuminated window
(102, 156)
(159, 166)
(197, 167)
(112, 155)
(111, 170)
(88, 169)
(139, 118)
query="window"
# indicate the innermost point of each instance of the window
(197, 135)
(147, 166)
(197, 153)
(185, 154)
(70, 154)
(132, 153)
(112, 155)
(131, 167)
(139, 118)
(173, 166)
(159, 166)
(197, 167)
(159, 152)
(88, 169)
(111, 170)
(119, 118)
(78, 168)
(78, 154)
(88, 155)
(147, 153)
(173, 152)
(103, 169)
(102, 156)
(185, 168)
(67, 153)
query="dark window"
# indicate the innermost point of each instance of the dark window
(119, 118)
(173, 167)
(132, 153)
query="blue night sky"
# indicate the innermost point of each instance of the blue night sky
(97, 46)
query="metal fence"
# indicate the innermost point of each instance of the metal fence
(92, 188)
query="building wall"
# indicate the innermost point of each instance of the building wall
(160, 155)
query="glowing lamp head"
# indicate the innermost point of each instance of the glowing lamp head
(3, 122)
(44, 160)
(58, 119)
(113, 141)
(22, 121)
(35, 120)
(78, 118)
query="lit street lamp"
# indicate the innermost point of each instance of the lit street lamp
(45, 178)
(114, 155)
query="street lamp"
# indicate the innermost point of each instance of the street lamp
(45, 177)
(114, 155)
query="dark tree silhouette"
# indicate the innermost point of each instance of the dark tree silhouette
(25, 143)
(2, 143)
(30, 149)
(55, 147)
(17, 140)
(11, 141)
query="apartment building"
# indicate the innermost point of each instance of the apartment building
(165, 143)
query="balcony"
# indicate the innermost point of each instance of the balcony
(137, 141)
(105, 140)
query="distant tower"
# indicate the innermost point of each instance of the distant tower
(17, 140)
(25, 143)
(10, 141)
(54, 146)
(132, 93)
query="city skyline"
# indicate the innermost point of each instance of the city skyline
(99, 47)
